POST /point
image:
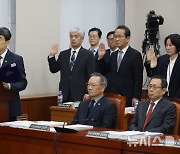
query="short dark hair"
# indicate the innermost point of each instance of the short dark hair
(127, 30)
(97, 30)
(163, 80)
(175, 40)
(111, 32)
(5, 32)
(103, 80)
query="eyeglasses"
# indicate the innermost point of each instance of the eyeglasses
(92, 85)
(155, 87)
(119, 36)
(93, 36)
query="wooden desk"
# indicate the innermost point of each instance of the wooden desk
(24, 141)
(62, 114)
(67, 114)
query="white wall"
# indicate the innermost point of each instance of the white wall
(37, 28)
(5, 13)
(86, 14)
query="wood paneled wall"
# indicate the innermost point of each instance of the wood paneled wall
(37, 106)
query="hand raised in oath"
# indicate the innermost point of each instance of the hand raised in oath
(54, 50)
(101, 51)
(151, 57)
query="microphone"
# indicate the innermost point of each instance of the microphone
(64, 130)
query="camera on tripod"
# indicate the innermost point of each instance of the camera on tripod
(152, 31)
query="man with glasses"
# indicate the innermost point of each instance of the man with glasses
(156, 114)
(125, 67)
(95, 36)
(112, 48)
(97, 111)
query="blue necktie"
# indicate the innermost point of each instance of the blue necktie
(72, 60)
(91, 106)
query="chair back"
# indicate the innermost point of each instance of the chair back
(120, 102)
(176, 128)
(22, 117)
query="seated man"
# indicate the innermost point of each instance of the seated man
(97, 111)
(156, 114)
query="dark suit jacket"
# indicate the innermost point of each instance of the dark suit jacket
(161, 120)
(161, 69)
(107, 74)
(103, 114)
(128, 80)
(16, 86)
(73, 82)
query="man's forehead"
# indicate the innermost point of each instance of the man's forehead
(94, 79)
(155, 81)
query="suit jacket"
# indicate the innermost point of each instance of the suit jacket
(16, 86)
(103, 114)
(73, 82)
(161, 120)
(107, 74)
(127, 81)
(97, 67)
(161, 69)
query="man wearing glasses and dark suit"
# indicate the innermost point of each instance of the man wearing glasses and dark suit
(96, 111)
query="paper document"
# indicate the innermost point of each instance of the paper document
(79, 127)
(26, 124)
(125, 135)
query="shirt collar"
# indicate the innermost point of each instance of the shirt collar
(97, 99)
(156, 102)
(77, 50)
(4, 54)
(96, 49)
(125, 49)
(173, 61)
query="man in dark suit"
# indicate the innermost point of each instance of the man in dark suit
(95, 36)
(7, 58)
(112, 48)
(75, 66)
(97, 111)
(126, 67)
(156, 114)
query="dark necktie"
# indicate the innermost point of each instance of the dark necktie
(0, 61)
(94, 52)
(91, 106)
(148, 115)
(119, 59)
(72, 60)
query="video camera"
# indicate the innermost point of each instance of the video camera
(152, 31)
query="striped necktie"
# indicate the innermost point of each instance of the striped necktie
(72, 60)
(119, 59)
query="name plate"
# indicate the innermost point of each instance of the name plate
(97, 134)
(39, 127)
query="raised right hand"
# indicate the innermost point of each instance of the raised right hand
(151, 57)
(101, 51)
(54, 50)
